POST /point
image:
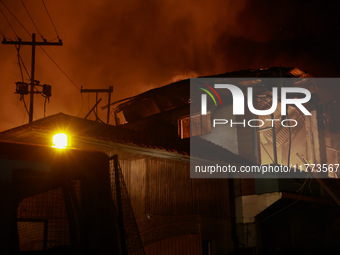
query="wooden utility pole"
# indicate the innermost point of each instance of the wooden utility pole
(32, 43)
(109, 91)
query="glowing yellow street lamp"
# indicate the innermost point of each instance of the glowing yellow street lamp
(60, 141)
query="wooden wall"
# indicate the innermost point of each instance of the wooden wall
(179, 245)
(162, 188)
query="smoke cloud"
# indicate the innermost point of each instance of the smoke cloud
(138, 45)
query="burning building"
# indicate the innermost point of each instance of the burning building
(176, 214)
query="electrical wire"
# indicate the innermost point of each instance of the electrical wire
(267, 152)
(48, 55)
(9, 10)
(289, 129)
(2, 34)
(118, 101)
(300, 189)
(29, 15)
(97, 118)
(46, 98)
(39, 92)
(22, 62)
(289, 205)
(68, 77)
(88, 101)
(290, 139)
(82, 105)
(48, 13)
(23, 99)
(52, 40)
(9, 23)
(19, 63)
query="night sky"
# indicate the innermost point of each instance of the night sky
(135, 45)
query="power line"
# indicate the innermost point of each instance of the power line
(51, 40)
(289, 205)
(33, 44)
(49, 56)
(9, 23)
(23, 99)
(19, 63)
(48, 13)
(68, 77)
(82, 104)
(2, 34)
(22, 61)
(9, 10)
(22, 76)
(46, 99)
(29, 15)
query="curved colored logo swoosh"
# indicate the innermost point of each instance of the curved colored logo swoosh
(215, 92)
(208, 92)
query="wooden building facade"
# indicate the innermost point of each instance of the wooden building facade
(174, 213)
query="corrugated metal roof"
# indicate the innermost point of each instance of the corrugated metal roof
(115, 138)
(177, 94)
(67, 123)
(81, 128)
